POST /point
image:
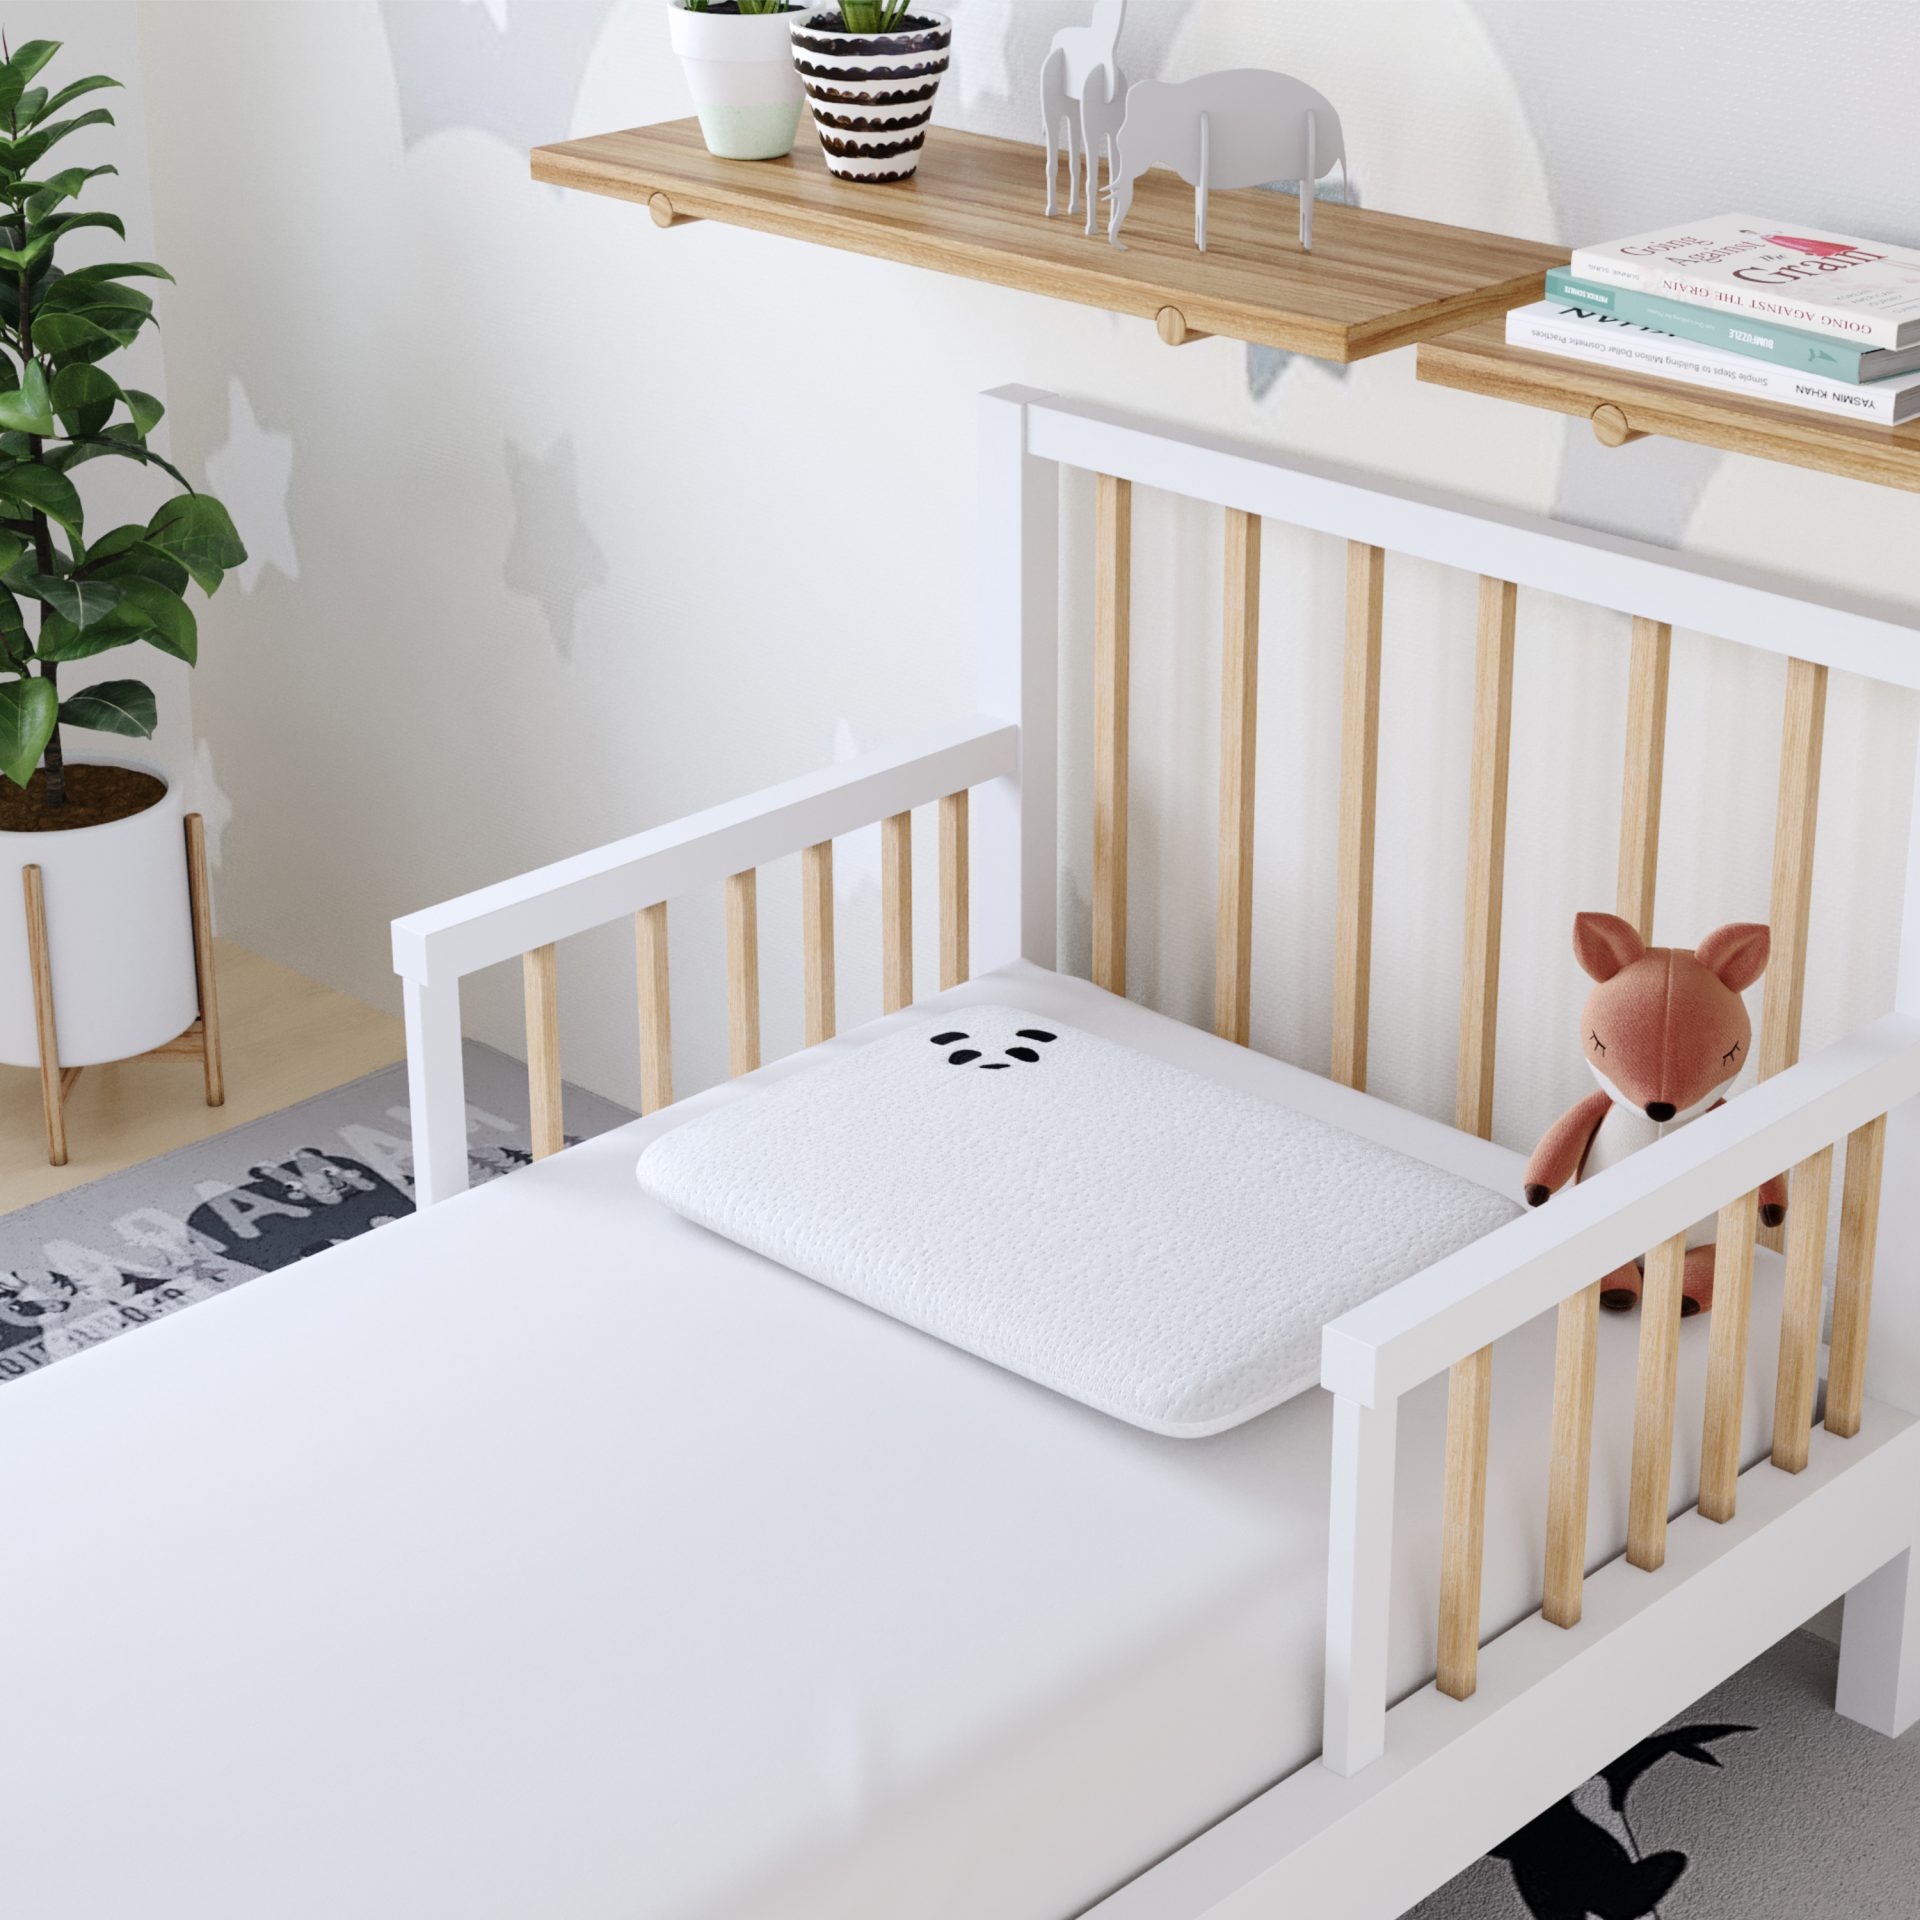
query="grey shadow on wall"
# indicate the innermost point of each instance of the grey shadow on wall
(504, 67)
(552, 557)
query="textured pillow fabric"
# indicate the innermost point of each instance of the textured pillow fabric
(1144, 1240)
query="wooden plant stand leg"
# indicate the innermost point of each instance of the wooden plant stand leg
(40, 959)
(200, 892)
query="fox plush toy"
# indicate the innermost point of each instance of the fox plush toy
(1665, 1032)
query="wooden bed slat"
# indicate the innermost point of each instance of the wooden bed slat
(1486, 856)
(1803, 731)
(1800, 1311)
(540, 988)
(1576, 1350)
(1647, 672)
(1359, 793)
(1112, 673)
(816, 929)
(1463, 1539)
(656, 1016)
(896, 912)
(1734, 1231)
(1239, 702)
(1653, 1398)
(956, 892)
(1853, 1287)
(743, 972)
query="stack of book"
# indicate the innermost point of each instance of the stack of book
(1809, 319)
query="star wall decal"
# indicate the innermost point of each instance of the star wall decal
(552, 558)
(251, 471)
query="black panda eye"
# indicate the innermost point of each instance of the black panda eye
(1022, 1053)
(964, 1056)
(947, 1039)
(1035, 1033)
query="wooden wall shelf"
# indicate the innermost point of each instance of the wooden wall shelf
(1626, 406)
(1373, 280)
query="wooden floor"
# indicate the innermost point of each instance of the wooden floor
(286, 1038)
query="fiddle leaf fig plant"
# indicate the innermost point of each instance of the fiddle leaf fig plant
(65, 597)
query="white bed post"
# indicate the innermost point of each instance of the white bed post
(1880, 1629)
(1359, 1582)
(1016, 818)
(436, 1091)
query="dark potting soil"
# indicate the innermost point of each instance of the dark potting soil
(96, 797)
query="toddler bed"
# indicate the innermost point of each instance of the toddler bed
(741, 1599)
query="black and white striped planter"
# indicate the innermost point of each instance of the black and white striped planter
(871, 94)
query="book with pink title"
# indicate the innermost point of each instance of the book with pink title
(1860, 290)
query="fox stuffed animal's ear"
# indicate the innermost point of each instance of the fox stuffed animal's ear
(1603, 943)
(1737, 954)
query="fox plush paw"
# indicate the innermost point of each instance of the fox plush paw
(1537, 1195)
(1772, 1216)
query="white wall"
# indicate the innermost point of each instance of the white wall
(564, 526)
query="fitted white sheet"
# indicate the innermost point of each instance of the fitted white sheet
(549, 1555)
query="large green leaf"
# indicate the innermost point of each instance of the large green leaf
(44, 491)
(12, 550)
(30, 56)
(196, 531)
(120, 270)
(29, 712)
(29, 408)
(81, 602)
(65, 223)
(146, 410)
(123, 439)
(73, 336)
(44, 195)
(83, 396)
(75, 88)
(157, 616)
(113, 706)
(30, 255)
(140, 562)
(60, 640)
(18, 155)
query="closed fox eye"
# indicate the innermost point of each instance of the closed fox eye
(1599, 1045)
(1731, 1056)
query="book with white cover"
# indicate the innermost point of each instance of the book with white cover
(1577, 333)
(1859, 290)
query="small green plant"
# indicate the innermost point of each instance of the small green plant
(872, 16)
(57, 411)
(744, 6)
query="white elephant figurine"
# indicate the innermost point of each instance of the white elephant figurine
(1244, 128)
(1083, 95)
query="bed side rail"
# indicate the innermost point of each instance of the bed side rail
(1446, 1318)
(433, 950)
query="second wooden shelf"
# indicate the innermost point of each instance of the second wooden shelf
(1627, 406)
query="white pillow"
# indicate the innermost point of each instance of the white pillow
(1144, 1240)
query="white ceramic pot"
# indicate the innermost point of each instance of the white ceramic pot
(740, 69)
(119, 934)
(872, 93)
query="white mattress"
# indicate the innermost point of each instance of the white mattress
(550, 1556)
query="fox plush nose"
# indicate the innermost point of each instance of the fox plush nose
(1662, 1110)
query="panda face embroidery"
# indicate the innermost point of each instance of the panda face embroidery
(966, 1056)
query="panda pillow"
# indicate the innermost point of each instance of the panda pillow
(1146, 1241)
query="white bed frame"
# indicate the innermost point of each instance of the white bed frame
(1405, 1794)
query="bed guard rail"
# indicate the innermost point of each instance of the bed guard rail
(433, 950)
(1446, 1318)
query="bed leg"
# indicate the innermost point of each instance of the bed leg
(436, 1091)
(1359, 1579)
(1880, 1649)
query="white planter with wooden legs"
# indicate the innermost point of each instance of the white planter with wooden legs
(106, 951)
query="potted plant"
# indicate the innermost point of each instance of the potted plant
(871, 69)
(739, 63)
(105, 832)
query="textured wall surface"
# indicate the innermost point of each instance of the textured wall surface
(563, 526)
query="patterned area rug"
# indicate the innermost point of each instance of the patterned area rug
(101, 1260)
(1757, 1803)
